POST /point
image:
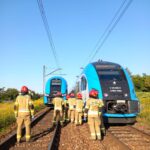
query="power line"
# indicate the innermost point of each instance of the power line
(44, 18)
(107, 28)
(111, 27)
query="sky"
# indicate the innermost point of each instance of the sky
(76, 26)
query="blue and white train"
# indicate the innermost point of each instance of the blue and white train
(53, 85)
(115, 88)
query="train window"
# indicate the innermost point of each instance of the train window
(55, 86)
(56, 82)
(83, 83)
(111, 75)
(106, 67)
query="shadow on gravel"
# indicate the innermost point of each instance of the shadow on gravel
(43, 133)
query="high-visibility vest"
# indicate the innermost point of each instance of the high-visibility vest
(79, 105)
(58, 103)
(23, 104)
(93, 106)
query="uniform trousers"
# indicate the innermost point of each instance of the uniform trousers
(26, 119)
(78, 117)
(71, 115)
(94, 125)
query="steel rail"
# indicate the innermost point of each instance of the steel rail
(140, 131)
(11, 140)
(123, 145)
(53, 144)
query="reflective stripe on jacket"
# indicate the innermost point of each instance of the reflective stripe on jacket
(58, 103)
(72, 103)
(93, 106)
(23, 103)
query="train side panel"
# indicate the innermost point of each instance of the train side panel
(131, 86)
(47, 91)
(64, 89)
(134, 104)
(92, 81)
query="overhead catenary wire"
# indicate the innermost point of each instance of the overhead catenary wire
(111, 27)
(48, 32)
(106, 29)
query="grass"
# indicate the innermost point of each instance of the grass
(144, 116)
(7, 116)
(38, 104)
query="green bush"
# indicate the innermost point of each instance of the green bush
(144, 115)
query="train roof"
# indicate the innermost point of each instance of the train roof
(105, 65)
(57, 77)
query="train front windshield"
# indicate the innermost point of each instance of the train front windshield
(114, 84)
(117, 75)
(55, 86)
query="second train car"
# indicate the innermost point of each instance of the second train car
(53, 85)
(115, 88)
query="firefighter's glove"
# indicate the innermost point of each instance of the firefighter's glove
(32, 117)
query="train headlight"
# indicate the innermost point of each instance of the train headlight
(105, 95)
(125, 95)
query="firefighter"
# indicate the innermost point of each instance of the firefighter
(79, 109)
(67, 108)
(58, 108)
(67, 97)
(93, 110)
(72, 105)
(24, 111)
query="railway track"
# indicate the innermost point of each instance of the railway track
(77, 138)
(10, 140)
(53, 145)
(117, 138)
(131, 137)
(44, 135)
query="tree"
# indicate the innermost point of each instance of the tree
(147, 83)
(141, 83)
(9, 94)
(138, 83)
(34, 95)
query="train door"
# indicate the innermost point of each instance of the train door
(84, 88)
